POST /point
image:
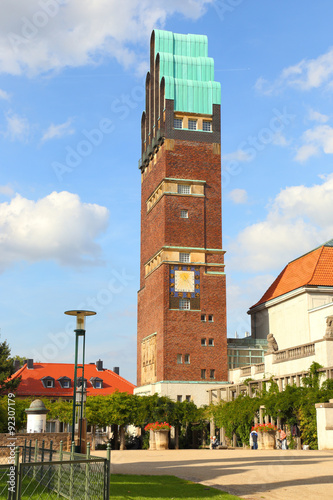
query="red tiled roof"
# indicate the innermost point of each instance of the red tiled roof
(312, 269)
(31, 384)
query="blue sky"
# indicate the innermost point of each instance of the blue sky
(71, 98)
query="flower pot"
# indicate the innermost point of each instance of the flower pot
(152, 442)
(269, 440)
(162, 439)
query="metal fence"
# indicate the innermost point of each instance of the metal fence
(41, 473)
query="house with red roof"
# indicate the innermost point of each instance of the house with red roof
(295, 315)
(56, 380)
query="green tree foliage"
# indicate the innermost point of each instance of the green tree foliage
(6, 370)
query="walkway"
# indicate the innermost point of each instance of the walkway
(270, 475)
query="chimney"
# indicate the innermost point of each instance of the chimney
(99, 365)
(30, 364)
(116, 370)
(17, 365)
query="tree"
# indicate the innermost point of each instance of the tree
(6, 370)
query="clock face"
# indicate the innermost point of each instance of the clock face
(184, 281)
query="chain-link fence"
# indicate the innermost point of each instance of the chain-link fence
(41, 473)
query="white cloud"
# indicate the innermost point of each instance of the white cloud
(305, 75)
(299, 219)
(4, 95)
(57, 131)
(317, 117)
(6, 190)
(316, 140)
(280, 140)
(238, 196)
(239, 156)
(58, 227)
(18, 127)
(43, 35)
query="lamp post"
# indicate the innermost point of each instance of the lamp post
(79, 394)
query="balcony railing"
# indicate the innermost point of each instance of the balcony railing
(301, 351)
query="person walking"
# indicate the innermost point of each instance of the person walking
(254, 439)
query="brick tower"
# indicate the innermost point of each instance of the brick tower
(182, 297)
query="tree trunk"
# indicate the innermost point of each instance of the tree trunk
(115, 436)
(122, 437)
(176, 437)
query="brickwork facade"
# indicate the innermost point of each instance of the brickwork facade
(182, 302)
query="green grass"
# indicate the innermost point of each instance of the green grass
(138, 488)
(161, 487)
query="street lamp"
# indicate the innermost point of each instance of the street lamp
(79, 394)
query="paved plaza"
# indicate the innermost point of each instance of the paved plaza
(270, 475)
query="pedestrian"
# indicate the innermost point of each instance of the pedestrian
(254, 439)
(283, 437)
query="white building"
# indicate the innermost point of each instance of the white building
(296, 314)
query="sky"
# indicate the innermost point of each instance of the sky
(72, 76)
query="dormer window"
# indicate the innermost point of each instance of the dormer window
(65, 382)
(79, 382)
(48, 382)
(96, 382)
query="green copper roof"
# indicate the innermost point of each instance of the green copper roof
(188, 71)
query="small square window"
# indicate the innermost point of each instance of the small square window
(184, 214)
(212, 374)
(179, 359)
(192, 124)
(49, 383)
(179, 398)
(178, 123)
(187, 359)
(203, 342)
(207, 126)
(211, 342)
(211, 318)
(98, 384)
(66, 384)
(184, 189)
(184, 304)
(184, 257)
(203, 318)
(188, 398)
(203, 374)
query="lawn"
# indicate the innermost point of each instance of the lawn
(161, 487)
(132, 487)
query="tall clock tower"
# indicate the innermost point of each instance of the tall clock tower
(181, 336)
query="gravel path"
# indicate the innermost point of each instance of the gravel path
(259, 474)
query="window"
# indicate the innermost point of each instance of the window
(184, 257)
(187, 359)
(49, 383)
(178, 123)
(179, 399)
(192, 124)
(79, 383)
(203, 318)
(203, 342)
(184, 304)
(98, 384)
(212, 374)
(66, 383)
(188, 398)
(207, 126)
(211, 342)
(184, 214)
(211, 318)
(203, 374)
(179, 359)
(184, 189)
